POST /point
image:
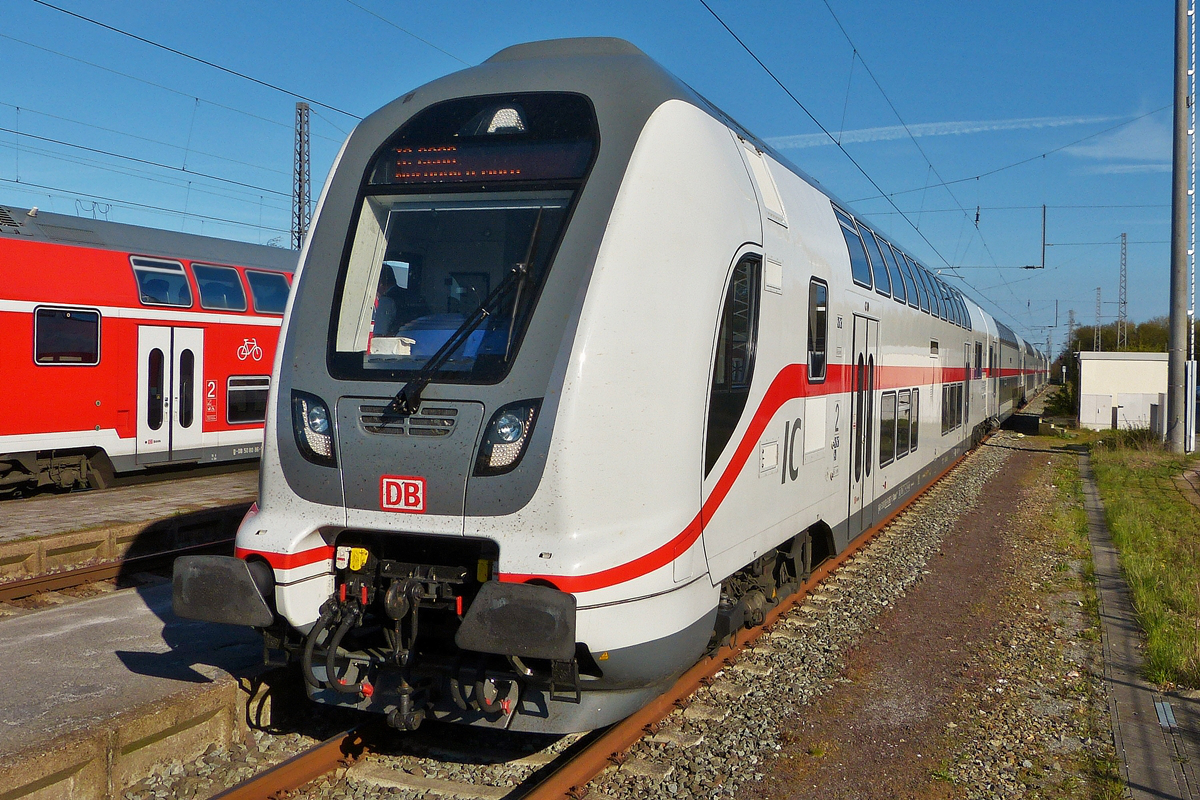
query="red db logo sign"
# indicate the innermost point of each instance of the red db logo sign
(398, 493)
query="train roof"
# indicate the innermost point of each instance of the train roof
(46, 226)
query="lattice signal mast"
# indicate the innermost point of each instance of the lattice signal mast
(1096, 343)
(301, 184)
(1123, 304)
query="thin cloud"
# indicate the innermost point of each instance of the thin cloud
(1142, 146)
(961, 128)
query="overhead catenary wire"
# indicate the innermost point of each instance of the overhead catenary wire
(146, 139)
(406, 31)
(147, 162)
(849, 157)
(197, 59)
(132, 204)
(1023, 161)
(911, 136)
(172, 90)
(144, 175)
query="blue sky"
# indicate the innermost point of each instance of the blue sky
(980, 87)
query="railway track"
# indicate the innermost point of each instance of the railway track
(485, 765)
(76, 577)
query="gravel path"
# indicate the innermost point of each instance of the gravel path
(736, 732)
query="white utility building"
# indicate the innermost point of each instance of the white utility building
(1123, 390)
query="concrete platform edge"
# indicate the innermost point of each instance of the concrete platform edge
(101, 763)
(1155, 758)
(38, 556)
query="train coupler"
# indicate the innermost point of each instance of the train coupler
(404, 717)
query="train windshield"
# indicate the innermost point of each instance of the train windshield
(419, 269)
(462, 210)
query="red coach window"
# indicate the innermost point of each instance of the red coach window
(66, 336)
(161, 283)
(269, 290)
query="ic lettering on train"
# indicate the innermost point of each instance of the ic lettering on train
(398, 493)
(789, 470)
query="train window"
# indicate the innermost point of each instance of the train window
(818, 328)
(421, 270)
(903, 421)
(246, 398)
(187, 386)
(910, 288)
(220, 287)
(161, 283)
(733, 367)
(860, 380)
(966, 312)
(945, 408)
(978, 360)
(899, 291)
(922, 290)
(269, 291)
(870, 419)
(887, 428)
(935, 292)
(154, 389)
(883, 281)
(915, 426)
(927, 282)
(860, 268)
(66, 336)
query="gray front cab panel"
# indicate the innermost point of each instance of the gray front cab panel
(442, 461)
(625, 89)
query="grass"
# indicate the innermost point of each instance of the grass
(1157, 533)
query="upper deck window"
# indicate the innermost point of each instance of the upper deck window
(220, 287)
(883, 281)
(161, 282)
(859, 266)
(460, 218)
(269, 291)
(898, 291)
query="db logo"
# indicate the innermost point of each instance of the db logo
(397, 493)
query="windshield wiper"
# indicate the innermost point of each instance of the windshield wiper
(408, 399)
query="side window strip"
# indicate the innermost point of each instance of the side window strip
(733, 366)
(818, 329)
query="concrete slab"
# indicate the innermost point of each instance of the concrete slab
(74, 669)
(1158, 750)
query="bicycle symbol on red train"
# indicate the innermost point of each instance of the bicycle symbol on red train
(249, 349)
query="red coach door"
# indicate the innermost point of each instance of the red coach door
(170, 393)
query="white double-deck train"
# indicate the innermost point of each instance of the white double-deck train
(578, 377)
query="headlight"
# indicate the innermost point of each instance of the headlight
(313, 429)
(506, 437)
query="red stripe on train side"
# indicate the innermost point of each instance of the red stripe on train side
(791, 383)
(288, 560)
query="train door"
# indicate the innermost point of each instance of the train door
(967, 388)
(862, 424)
(993, 383)
(170, 381)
